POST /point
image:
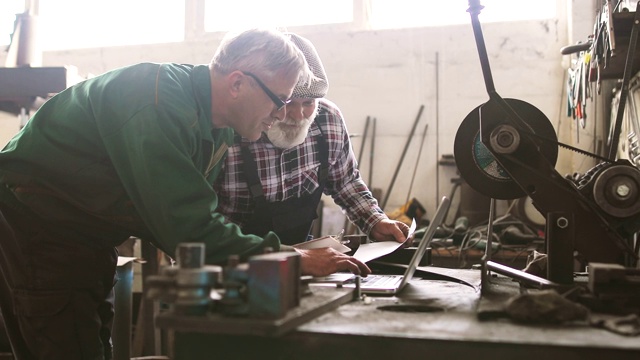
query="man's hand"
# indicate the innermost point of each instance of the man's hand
(326, 261)
(390, 230)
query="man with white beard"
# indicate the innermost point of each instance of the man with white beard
(275, 183)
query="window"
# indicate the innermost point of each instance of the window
(8, 11)
(224, 15)
(387, 14)
(70, 24)
(91, 23)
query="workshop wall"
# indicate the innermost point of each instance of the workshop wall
(389, 74)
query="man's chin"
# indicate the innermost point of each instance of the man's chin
(251, 136)
(281, 139)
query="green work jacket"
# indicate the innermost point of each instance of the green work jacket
(132, 152)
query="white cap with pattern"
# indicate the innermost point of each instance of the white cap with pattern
(319, 84)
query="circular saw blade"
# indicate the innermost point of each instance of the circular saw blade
(479, 168)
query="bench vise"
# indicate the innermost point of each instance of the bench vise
(268, 286)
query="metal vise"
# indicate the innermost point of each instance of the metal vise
(268, 286)
(189, 286)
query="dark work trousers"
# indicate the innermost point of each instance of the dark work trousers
(56, 295)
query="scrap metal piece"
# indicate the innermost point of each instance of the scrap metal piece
(613, 280)
(274, 284)
(545, 306)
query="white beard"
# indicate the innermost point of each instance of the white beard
(286, 137)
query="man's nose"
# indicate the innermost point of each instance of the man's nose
(295, 111)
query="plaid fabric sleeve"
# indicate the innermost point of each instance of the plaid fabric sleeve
(234, 199)
(345, 185)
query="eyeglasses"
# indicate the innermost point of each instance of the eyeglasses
(276, 100)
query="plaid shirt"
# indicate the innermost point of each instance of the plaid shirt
(291, 173)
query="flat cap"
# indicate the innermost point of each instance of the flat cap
(319, 84)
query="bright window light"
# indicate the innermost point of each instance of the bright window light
(71, 24)
(274, 13)
(8, 11)
(386, 14)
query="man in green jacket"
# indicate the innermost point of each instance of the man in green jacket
(132, 152)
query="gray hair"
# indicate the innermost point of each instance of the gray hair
(262, 51)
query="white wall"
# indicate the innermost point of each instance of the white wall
(389, 74)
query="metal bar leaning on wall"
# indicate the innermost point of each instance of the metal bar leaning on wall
(415, 169)
(364, 140)
(404, 153)
(373, 143)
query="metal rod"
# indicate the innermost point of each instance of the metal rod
(474, 9)
(489, 244)
(404, 153)
(373, 143)
(437, 152)
(520, 275)
(628, 66)
(415, 169)
(364, 140)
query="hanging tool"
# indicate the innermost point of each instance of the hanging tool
(578, 85)
(404, 152)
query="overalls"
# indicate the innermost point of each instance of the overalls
(290, 219)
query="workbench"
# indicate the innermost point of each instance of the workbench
(434, 317)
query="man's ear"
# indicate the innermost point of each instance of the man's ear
(235, 83)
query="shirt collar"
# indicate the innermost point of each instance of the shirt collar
(201, 80)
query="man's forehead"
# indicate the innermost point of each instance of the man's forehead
(285, 83)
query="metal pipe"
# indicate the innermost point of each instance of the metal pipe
(520, 275)
(373, 142)
(364, 139)
(437, 152)
(404, 153)
(489, 244)
(415, 169)
(474, 9)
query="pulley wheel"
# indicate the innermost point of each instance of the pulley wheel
(617, 190)
(477, 165)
